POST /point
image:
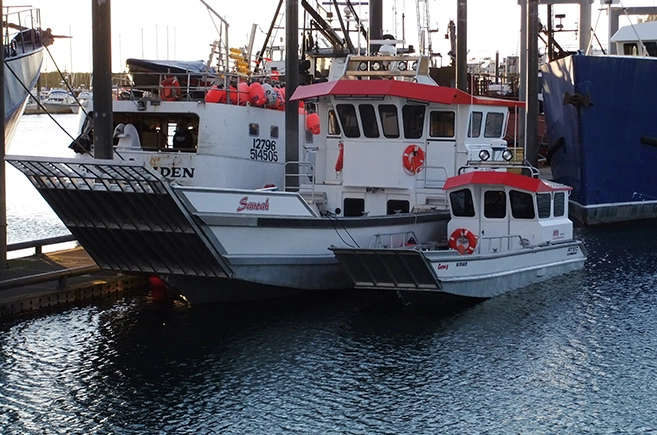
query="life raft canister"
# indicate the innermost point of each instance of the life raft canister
(170, 89)
(413, 159)
(463, 240)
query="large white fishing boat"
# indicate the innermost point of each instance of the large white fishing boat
(506, 231)
(381, 139)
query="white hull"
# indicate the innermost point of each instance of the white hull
(447, 271)
(287, 244)
(21, 73)
(485, 276)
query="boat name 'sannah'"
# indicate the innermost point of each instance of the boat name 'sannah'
(176, 172)
(245, 204)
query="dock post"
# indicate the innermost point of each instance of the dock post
(102, 78)
(3, 173)
(531, 97)
(462, 46)
(291, 83)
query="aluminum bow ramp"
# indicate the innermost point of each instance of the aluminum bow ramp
(125, 215)
(389, 269)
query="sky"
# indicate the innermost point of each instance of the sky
(164, 29)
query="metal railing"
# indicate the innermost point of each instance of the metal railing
(60, 276)
(38, 244)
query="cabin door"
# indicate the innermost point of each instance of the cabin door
(440, 162)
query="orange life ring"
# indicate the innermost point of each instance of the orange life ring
(170, 89)
(413, 159)
(463, 240)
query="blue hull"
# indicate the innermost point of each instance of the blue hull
(600, 117)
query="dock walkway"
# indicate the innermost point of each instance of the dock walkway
(43, 281)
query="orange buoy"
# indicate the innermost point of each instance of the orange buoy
(256, 94)
(312, 123)
(280, 99)
(233, 95)
(215, 95)
(242, 93)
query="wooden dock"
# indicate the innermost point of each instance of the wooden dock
(56, 279)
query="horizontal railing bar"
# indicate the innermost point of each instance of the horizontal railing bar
(39, 243)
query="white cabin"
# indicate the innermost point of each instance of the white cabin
(506, 211)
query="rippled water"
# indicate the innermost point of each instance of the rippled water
(575, 355)
(28, 215)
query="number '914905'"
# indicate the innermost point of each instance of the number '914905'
(263, 149)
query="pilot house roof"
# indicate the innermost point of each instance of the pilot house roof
(396, 88)
(504, 178)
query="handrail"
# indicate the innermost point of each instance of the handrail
(56, 275)
(40, 243)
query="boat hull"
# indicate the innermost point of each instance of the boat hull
(446, 271)
(600, 123)
(21, 74)
(129, 219)
(283, 242)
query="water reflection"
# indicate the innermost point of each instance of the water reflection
(571, 355)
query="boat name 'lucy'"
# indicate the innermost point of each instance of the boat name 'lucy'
(245, 204)
(176, 172)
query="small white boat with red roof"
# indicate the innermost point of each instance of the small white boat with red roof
(506, 231)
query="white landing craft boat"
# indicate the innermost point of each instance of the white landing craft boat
(506, 231)
(389, 139)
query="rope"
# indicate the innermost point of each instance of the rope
(42, 107)
(65, 82)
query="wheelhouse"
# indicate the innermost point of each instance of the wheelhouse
(494, 205)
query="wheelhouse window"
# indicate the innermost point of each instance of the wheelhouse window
(630, 49)
(389, 120)
(651, 48)
(494, 204)
(158, 131)
(474, 128)
(462, 204)
(543, 203)
(348, 119)
(441, 124)
(413, 116)
(522, 205)
(559, 204)
(333, 125)
(494, 124)
(368, 119)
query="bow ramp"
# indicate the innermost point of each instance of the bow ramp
(125, 215)
(392, 269)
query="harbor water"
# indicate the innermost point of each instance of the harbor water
(577, 354)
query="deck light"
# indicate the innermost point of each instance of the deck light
(507, 155)
(484, 155)
(401, 66)
(376, 66)
(362, 66)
